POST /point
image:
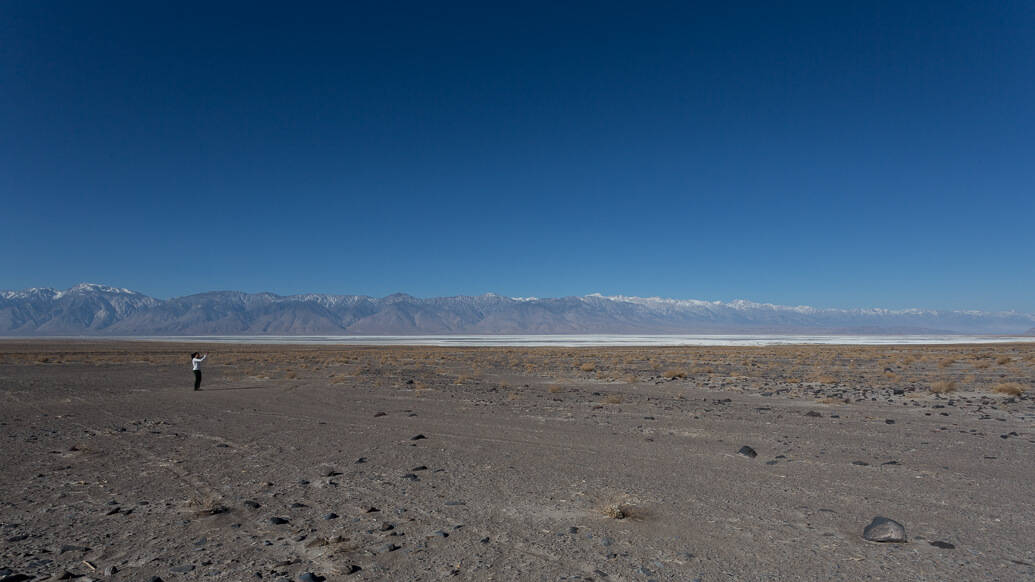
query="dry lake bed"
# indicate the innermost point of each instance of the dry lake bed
(306, 463)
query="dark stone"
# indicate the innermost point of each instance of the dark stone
(411, 477)
(331, 515)
(252, 504)
(310, 577)
(378, 414)
(440, 534)
(419, 468)
(889, 421)
(352, 569)
(278, 521)
(417, 437)
(861, 463)
(391, 547)
(747, 452)
(361, 460)
(297, 505)
(15, 578)
(182, 569)
(813, 414)
(882, 529)
(943, 545)
(155, 579)
(372, 510)
(387, 526)
(455, 503)
(18, 538)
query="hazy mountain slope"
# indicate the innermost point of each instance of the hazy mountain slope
(89, 309)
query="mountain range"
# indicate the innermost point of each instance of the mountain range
(91, 309)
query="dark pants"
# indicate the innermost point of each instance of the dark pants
(197, 379)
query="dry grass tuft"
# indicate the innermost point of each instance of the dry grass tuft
(554, 389)
(947, 362)
(588, 367)
(825, 379)
(674, 374)
(1009, 388)
(614, 511)
(613, 399)
(1003, 360)
(943, 387)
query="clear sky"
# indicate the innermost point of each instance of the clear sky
(825, 153)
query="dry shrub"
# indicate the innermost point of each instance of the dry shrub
(943, 387)
(614, 511)
(588, 367)
(674, 373)
(981, 365)
(704, 370)
(1009, 388)
(613, 399)
(513, 396)
(947, 362)
(291, 375)
(629, 379)
(554, 389)
(1003, 360)
(891, 376)
(825, 379)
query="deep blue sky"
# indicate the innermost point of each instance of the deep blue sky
(832, 154)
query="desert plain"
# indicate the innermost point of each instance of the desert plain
(333, 463)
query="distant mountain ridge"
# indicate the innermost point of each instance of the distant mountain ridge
(101, 310)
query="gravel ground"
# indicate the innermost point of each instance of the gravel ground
(305, 463)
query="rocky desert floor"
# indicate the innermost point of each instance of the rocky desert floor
(405, 463)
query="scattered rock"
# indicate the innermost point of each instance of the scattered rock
(378, 414)
(943, 545)
(417, 437)
(813, 414)
(371, 510)
(182, 569)
(251, 504)
(310, 577)
(352, 569)
(330, 516)
(882, 529)
(278, 521)
(747, 452)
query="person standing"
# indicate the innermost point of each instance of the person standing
(195, 359)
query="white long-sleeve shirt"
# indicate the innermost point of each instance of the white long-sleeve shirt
(197, 361)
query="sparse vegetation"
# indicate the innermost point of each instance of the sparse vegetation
(1009, 388)
(943, 387)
